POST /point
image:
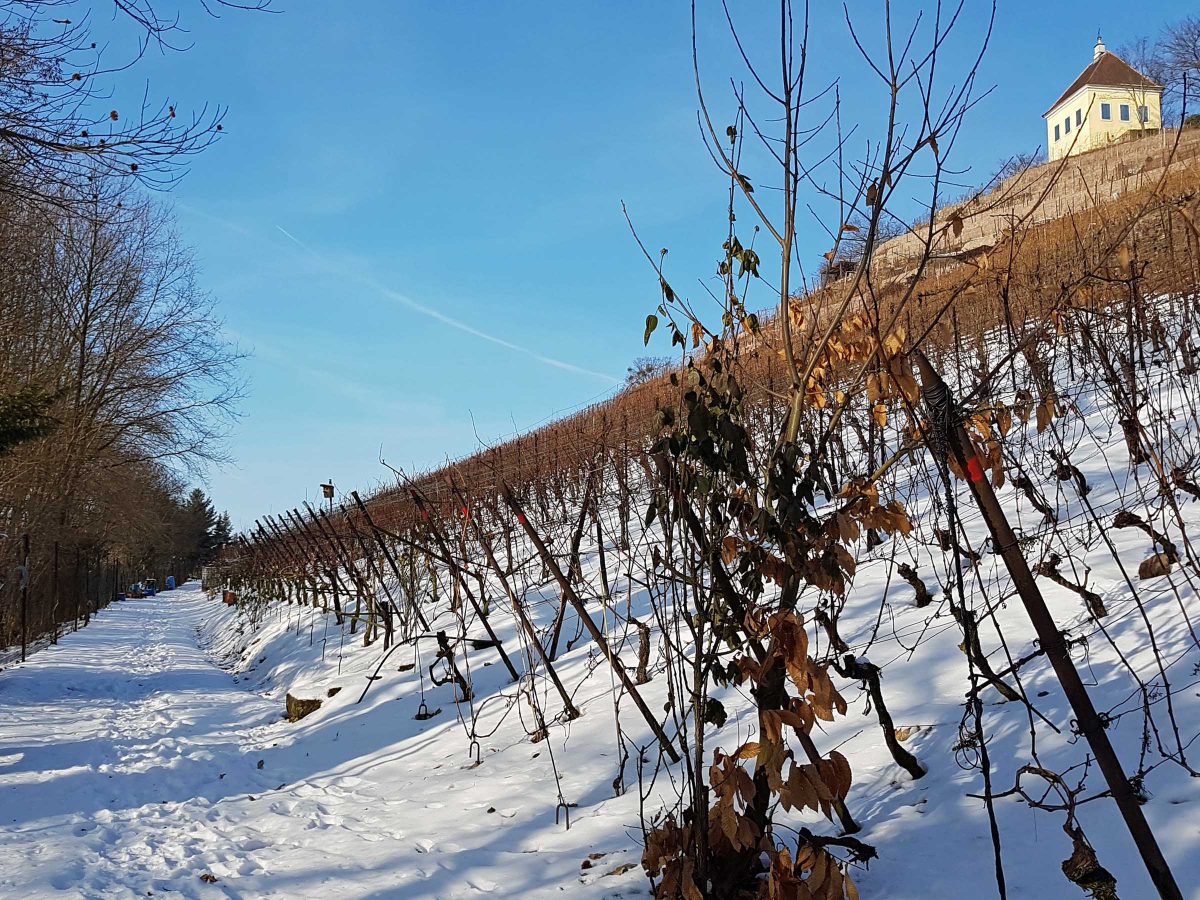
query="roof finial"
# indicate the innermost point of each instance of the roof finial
(1100, 49)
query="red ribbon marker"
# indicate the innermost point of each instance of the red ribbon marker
(974, 469)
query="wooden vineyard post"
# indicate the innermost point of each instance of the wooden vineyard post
(951, 438)
(390, 611)
(462, 582)
(281, 546)
(312, 550)
(597, 635)
(331, 573)
(291, 528)
(387, 554)
(571, 711)
(284, 548)
(415, 604)
(24, 594)
(283, 561)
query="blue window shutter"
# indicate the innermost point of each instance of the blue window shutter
(1056, 132)
(1105, 111)
(1124, 112)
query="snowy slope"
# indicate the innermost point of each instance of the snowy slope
(129, 754)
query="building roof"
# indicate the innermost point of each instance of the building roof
(1108, 70)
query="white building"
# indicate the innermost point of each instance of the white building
(1109, 101)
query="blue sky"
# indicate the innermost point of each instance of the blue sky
(413, 221)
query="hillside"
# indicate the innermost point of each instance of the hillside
(363, 799)
(657, 639)
(1069, 217)
(868, 559)
(877, 576)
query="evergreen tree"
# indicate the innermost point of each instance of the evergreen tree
(197, 522)
(23, 417)
(222, 534)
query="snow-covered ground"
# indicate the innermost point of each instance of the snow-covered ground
(132, 764)
(147, 753)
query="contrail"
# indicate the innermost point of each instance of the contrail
(452, 322)
(295, 240)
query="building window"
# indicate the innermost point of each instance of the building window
(1056, 135)
(1105, 111)
(1067, 125)
(1079, 117)
(1124, 112)
(1143, 114)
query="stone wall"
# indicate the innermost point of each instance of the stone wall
(1047, 192)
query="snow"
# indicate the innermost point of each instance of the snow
(129, 765)
(130, 752)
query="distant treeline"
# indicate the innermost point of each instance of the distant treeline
(114, 382)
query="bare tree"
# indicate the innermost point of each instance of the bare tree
(58, 128)
(1173, 60)
(646, 368)
(102, 318)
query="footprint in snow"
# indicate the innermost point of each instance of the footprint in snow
(249, 867)
(68, 880)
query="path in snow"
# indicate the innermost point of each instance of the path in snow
(117, 748)
(129, 767)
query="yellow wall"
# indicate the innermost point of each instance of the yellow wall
(1095, 131)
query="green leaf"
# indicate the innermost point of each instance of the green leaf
(651, 324)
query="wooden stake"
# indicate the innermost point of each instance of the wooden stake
(462, 582)
(940, 405)
(570, 708)
(597, 635)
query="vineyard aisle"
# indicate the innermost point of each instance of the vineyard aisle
(132, 764)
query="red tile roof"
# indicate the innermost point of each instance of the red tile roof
(1109, 70)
